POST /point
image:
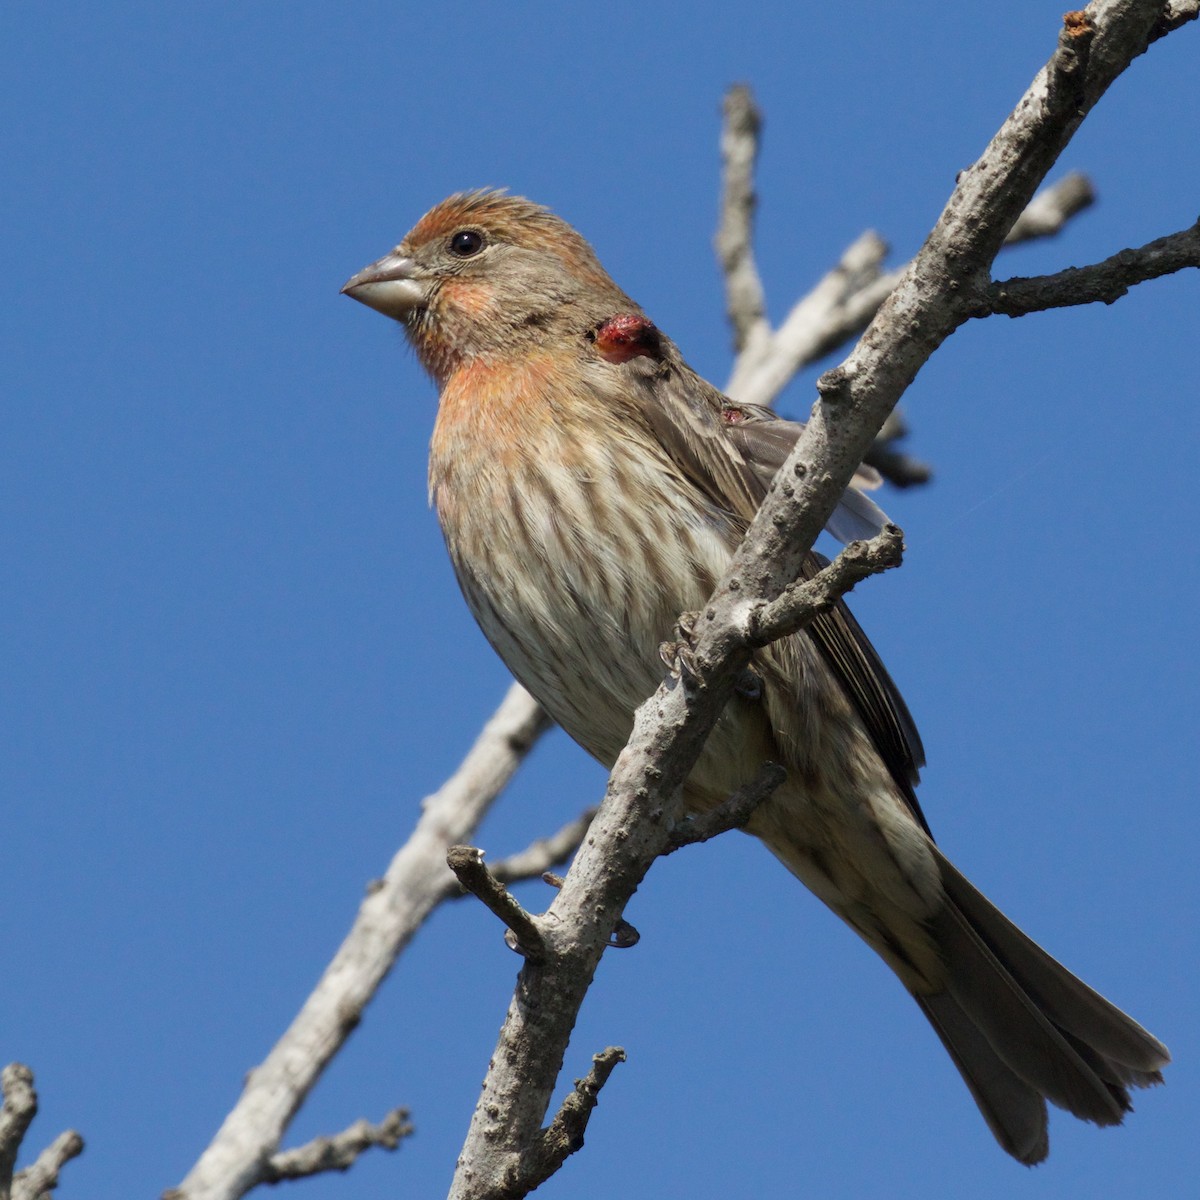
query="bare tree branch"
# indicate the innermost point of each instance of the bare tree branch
(817, 324)
(802, 600)
(538, 857)
(564, 1135)
(1175, 14)
(1052, 208)
(16, 1114)
(642, 802)
(898, 468)
(744, 298)
(1102, 282)
(733, 814)
(339, 1152)
(38, 1180)
(468, 866)
(844, 301)
(416, 881)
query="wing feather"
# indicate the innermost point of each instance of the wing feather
(733, 462)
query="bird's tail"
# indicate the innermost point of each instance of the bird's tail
(1022, 1029)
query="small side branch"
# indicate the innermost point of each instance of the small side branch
(36, 1182)
(1051, 209)
(745, 300)
(16, 1114)
(564, 1135)
(843, 303)
(840, 305)
(805, 599)
(538, 857)
(898, 468)
(1175, 13)
(18, 1111)
(733, 814)
(339, 1152)
(1102, 282)
(468, 866)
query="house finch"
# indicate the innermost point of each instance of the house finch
(591, 487)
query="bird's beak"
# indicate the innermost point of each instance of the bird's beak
(389, 286)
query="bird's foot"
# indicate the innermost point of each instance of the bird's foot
(679, 653)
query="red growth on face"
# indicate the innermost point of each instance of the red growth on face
(626, 336)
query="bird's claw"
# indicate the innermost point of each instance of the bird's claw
(679, 654)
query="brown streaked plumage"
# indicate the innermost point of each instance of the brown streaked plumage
(591, 487)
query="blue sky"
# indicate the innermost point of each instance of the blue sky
(235, 656)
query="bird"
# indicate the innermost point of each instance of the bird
(591, 488)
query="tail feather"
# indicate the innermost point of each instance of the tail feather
(1134, 1055)
(1016, 1029)
(1014, 1111)
(1021, 1027)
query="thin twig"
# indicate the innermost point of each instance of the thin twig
(564, 1135)
(538, 857)
(1102, 282)
(801, 601)
(844, 301)
(842, 304)
(16, 1114)
(340, 1151)
(897, 467)
(1052, 208)
(471, 871)
(40, 1178)
(850, 293)
(745, 301)
(733, 814)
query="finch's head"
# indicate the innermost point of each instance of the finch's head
(485, 274)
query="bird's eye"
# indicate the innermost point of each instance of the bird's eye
(466, 242)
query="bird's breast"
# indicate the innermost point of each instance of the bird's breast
(576, 542)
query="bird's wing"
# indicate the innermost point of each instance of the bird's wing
(731, 452)
(764, 440)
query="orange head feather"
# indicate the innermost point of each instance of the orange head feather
(488, 275)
